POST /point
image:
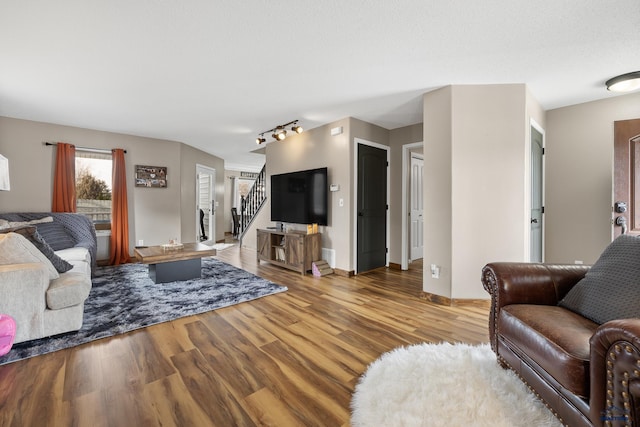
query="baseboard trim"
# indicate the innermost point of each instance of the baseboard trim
(455, 302)
(343, 273)
(395, 266)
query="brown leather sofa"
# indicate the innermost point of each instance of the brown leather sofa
(587, 374)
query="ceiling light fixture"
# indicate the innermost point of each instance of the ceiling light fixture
(279, 132)
(625, 82)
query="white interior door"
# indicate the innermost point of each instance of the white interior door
(205, 204)
(417, 207)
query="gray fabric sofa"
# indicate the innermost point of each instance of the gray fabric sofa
(67, 230)
(45, 298)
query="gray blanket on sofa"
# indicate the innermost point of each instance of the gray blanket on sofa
(66, 231)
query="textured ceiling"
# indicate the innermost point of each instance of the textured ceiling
(213, 74)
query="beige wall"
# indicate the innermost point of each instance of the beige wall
(438, 133)
(579, 171)
(476, 141)
(317, 148)
(155, 214)
(311, 149)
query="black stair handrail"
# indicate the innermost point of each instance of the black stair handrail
(250, 204)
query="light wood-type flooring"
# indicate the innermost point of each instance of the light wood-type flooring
(291, 359)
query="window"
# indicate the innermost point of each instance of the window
(93, 186)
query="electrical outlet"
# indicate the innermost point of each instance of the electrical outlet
(140, 242)
(435, 271)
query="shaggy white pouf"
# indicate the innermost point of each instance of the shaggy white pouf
(444, 385)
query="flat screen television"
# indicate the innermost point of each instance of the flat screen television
(300, 197)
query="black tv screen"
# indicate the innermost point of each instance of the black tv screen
(300, 197)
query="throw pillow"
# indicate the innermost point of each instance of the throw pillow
(611, 288)
(31, 233)
(55, 235)
(16, 249)
(25, 230)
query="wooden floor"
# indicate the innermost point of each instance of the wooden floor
(291, 359)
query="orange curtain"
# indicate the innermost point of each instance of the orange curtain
(64, 180)
(119, 211)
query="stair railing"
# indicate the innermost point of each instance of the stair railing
(250, 204)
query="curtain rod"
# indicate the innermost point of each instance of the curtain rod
(92, 150)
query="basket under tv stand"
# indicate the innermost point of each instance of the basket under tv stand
(295, 250)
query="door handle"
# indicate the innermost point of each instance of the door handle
(534, 220)
(622, 222)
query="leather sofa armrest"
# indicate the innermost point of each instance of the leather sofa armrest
(615, 373)
(526, 283)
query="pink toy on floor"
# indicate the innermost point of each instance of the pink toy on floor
(7, 333)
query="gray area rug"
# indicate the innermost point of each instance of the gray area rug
(123, 298)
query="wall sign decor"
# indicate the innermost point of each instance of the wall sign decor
(252, 175)
(151, 176)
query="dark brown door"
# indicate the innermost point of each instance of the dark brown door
(626, 185)
(372, 208)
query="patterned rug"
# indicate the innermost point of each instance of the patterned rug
(124, 298)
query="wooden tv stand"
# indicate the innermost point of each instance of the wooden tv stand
(294, 250)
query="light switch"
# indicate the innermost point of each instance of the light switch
(341, 202)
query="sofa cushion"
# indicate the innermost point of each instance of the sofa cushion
(75, 254)
(70, 289)
(56, 235)
(16, 249)
(80, 267)
(555, 338)
(611, 288)
(31, 233)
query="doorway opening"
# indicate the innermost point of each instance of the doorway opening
(416, 150)
(536, 230)
(205, 204)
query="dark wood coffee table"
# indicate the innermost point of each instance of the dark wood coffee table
(170, 264)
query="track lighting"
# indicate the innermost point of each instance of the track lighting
(625, 82)
(279, 132)
(280, 135)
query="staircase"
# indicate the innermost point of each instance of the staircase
(251, 204)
